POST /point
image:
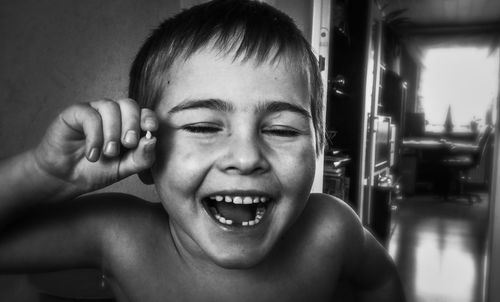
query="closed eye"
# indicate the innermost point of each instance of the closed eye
(281, 131)
(202, 128)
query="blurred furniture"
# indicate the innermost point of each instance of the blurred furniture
(414, 124)
(419, 157)
(335, 181)
(462, 158)
(422, 162)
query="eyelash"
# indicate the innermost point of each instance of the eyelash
(207, 129)
(201, 129)
(283, 132)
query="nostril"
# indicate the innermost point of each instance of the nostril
(243, 160)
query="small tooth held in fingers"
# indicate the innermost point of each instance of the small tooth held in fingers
(149, 135)
(237, 200)
(247, 200)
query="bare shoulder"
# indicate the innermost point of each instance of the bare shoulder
(120, 213)
(333, 214)
(127, 226)
(332, 226)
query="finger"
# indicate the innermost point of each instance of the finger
(130, 113)
(149, 121)
(111, 125)
(83, 118)
(138, 159)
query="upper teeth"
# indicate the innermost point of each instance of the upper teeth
(240, 199)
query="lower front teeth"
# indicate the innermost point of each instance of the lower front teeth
(246, 200)
(244, 223)
(258, 218)
(223, 220)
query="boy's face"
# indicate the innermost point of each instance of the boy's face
(236, 143)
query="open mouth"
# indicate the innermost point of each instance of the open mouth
(237, 210)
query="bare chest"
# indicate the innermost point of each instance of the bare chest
(152, 281)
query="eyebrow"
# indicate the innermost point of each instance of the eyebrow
(213, 104)
(220, 105)
(279, 106)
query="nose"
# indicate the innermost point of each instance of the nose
(244, 154)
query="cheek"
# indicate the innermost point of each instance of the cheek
(299, 169)
(179, 166)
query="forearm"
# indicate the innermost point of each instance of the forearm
(25, 184)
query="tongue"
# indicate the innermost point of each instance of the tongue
(237, 213)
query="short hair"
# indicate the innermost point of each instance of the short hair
(247, 29)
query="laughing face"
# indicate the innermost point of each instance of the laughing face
(236, 155)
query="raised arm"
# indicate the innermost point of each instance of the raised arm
(87, 147)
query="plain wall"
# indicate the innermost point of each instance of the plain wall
(300, 11)
(58, 52)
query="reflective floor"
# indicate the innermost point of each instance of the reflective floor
(438, 247)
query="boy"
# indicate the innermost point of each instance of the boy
(232, 93)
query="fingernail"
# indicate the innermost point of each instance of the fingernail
(131, 137)
(150, 123)
(93, 154)
(112, 148)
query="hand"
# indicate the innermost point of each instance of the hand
(90, 146)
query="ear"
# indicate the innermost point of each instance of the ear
(146, 177)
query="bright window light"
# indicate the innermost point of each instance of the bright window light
(465, 78)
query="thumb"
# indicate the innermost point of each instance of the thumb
(138, 159)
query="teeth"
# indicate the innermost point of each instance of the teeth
(222, 219)
(239, 199)
(259, 213)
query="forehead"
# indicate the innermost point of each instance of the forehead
(207, 74)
